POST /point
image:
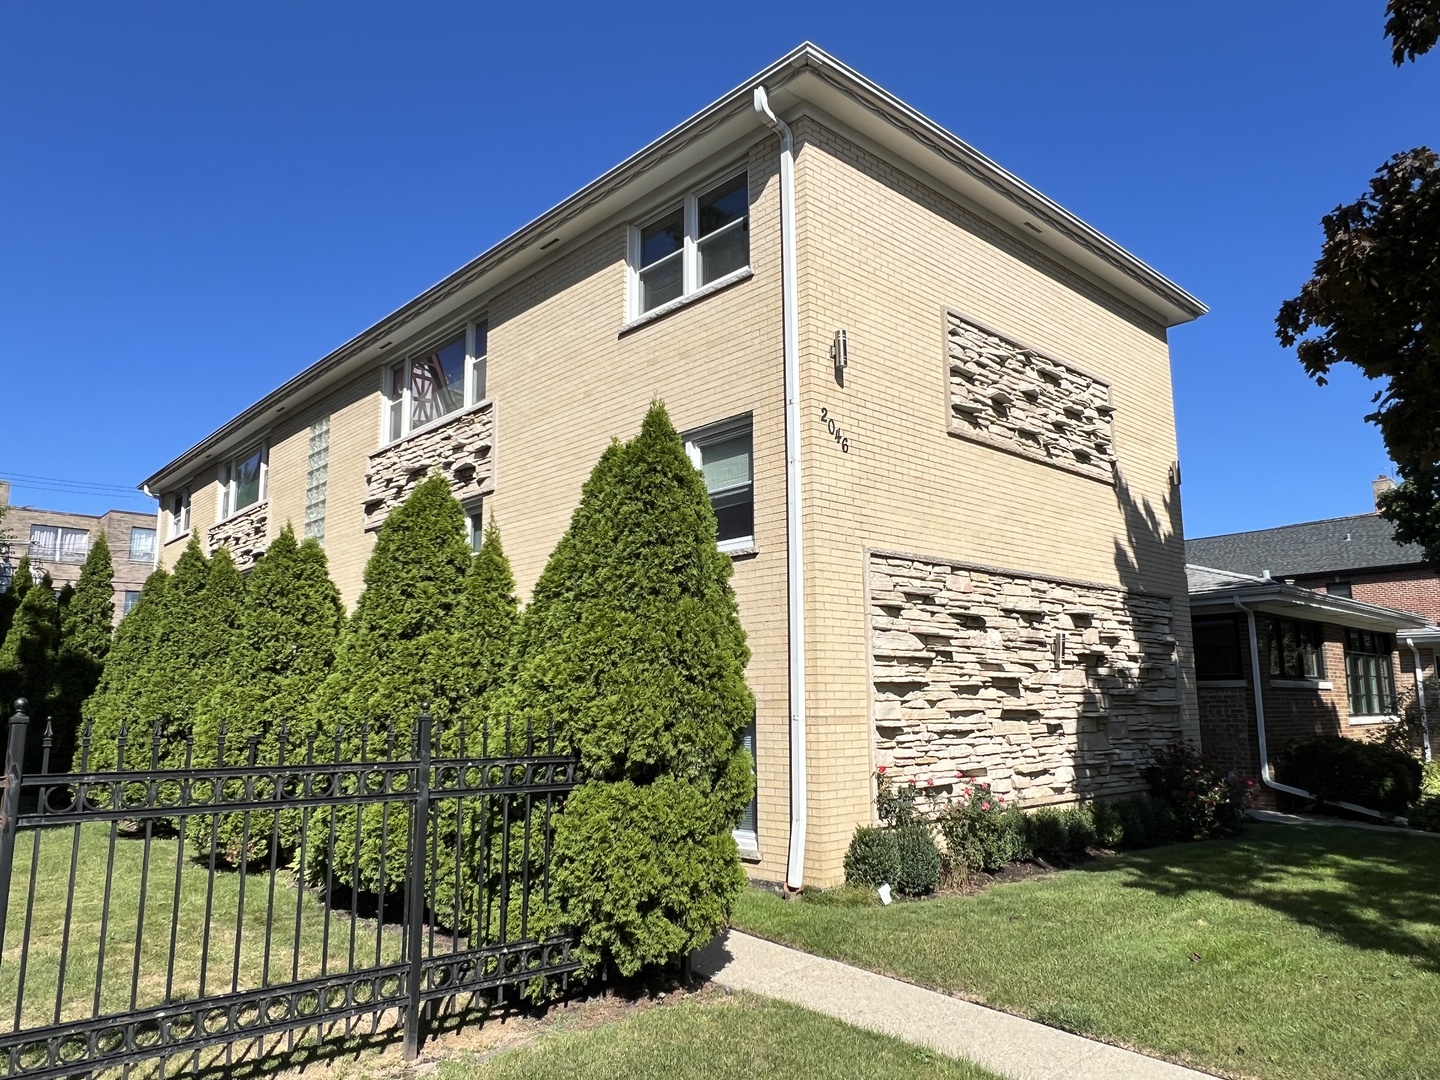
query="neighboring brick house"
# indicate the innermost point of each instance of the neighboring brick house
(1325, 665)
(57, 543)
(937, 429)
(1354, 556)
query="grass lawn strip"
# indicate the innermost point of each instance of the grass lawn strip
(1292, 953)
(715, 1037)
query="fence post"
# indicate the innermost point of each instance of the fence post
(10, 806)
(419, 862)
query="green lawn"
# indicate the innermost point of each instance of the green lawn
(718, 1039)
(1293, 952)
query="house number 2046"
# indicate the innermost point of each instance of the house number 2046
(841, 439)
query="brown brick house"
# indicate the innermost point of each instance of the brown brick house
(932, 407)
(1276, 662)
(57, 543)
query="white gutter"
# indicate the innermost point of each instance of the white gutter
(795, 557)
(1267, 771)
(1420, 697)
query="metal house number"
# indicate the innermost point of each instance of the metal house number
(841, 439)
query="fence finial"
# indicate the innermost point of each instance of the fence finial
(21, 706)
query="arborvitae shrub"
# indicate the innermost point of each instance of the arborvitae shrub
(27, 665)
(86, 627)
(1048, 833)
(1337, 769)
(917, 860)
(1109, 828)
(633, 647)
(283, 650)
(1079, 830)
(116, 703)
(397, 652)
(871, 858)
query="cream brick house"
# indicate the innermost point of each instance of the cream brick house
(934, 410)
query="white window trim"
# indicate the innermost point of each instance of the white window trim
(689, 252)
(226, 480)
(154, 544)
(404, 359)
(694, 440)
(175, 530)
(474, 508)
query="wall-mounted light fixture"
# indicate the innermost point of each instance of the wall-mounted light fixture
(840, 353)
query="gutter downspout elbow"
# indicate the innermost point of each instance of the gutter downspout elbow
(795, 563)
(1420, 697)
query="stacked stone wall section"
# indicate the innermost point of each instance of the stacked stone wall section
(243, 533)
(461, 449)
(1046, 689)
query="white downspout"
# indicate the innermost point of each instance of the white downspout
(159, 526)
(1420, 697)
(795, 559)
(1267, 772)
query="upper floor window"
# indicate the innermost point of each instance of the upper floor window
(437, 381)
(142, 545)
(1369, 673)
(722, 454)
(177, 508)
(132, 597)
(1340, 588)
(1217, 648)
(691, 245)
(243, 481)
(1295, 649)
(57, 544)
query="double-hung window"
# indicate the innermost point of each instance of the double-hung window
(687, 247)
(132, 597)
(436, 381)
(1369, 673)
(475, 523)
(243, 481)
(142, 545)
(723, 455)
(1217, 647)
(179, 510)
(55, 544)
(1295, 649)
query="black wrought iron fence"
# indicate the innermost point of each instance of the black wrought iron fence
(182, 916)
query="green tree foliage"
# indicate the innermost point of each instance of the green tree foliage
(398, 652)
(117, 701)
(1413, 27)
(633, 648)
(86, 624)
(1373, 302)
(282, 651)
(27, 662)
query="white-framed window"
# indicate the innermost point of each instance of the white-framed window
(747, 832)
(475, 523)
(722, 453)
(132, 597)
(704, 238)
(437, 380)
(142, 544)
(54, 543)
(242, 481)
(177, 509)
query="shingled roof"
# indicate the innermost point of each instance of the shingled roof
(1364, 541)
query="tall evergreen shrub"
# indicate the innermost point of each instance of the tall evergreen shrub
(27, 663)
(282, 651)
(633, 648)
(398, 651)
(117, 701)
(86, 626)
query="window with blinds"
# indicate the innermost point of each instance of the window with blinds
(723, 455)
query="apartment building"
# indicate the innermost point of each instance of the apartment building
(933, 409)
(58, 542)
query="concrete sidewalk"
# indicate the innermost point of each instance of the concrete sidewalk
(1275, 817)
(1005, 1044)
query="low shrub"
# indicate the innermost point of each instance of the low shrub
(1109, 828)
(905, 858)
(1425, 814)
(1337, 769)
(1079, 829)
(896, 804)
(1048, 833)
(871, 858)
(1430, 779)
(981, 833)
(1145, 822)
(1206, 802)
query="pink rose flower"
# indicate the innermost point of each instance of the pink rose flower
(985, 806)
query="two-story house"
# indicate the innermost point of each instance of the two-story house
(933, 408)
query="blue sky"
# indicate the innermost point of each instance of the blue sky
(202, 199)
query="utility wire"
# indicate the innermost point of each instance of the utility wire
(27, 478)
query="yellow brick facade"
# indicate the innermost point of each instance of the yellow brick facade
(882, 256)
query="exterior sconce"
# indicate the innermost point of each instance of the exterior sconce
(840, 353)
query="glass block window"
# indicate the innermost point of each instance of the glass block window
(316, 476)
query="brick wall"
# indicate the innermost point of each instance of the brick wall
(130, 574)
(1409, 588)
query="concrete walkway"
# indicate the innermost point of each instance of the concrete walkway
(1005, 1044)
(1275, 817)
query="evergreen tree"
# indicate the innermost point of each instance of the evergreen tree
(633, 648)
(397, 653)
(118, 700)
(86, 619)
(283, 650)
(23, 581)
(27, 664)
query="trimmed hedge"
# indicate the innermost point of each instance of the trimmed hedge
(904, 857)
(1337, 769)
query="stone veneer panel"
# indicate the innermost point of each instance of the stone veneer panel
(461, 448)
(1048, 690)
(243, 534)
(1020, 400)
